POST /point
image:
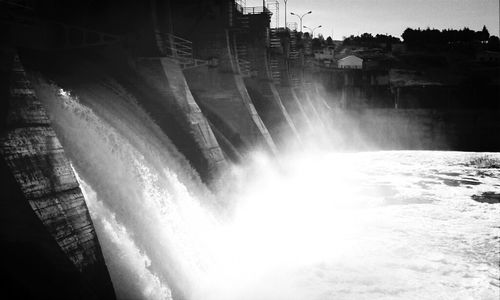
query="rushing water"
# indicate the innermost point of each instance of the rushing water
(317, 225)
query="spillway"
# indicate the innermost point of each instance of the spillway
(316, 225)
(143, 195)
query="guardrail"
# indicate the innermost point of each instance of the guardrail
(255, 10)
(179, 49)
(174, 46)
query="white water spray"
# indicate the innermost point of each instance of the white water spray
(147, 203)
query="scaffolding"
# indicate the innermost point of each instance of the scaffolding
(274, 7)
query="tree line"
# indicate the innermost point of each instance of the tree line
(369, 40)
(454, 39)
(446, 36)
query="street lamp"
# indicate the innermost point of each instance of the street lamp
(312, 29)
(286, 26)
(300, 17)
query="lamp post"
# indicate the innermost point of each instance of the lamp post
(312, 29)
(300, 17)
(286, 25)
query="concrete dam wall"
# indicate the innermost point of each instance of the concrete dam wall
(46, 227)
(417, 129)
(165, 76)
(227, 104)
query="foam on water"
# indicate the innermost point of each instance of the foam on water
(384, 225)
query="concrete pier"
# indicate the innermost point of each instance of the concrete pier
(61, 240)
(227, 103)
(165, 76)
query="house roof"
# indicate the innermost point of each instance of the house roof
(350, 56)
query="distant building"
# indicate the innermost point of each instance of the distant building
(350, 62)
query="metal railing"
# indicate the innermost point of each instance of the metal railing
(179, 49)
(174, 46)
(294, 53)
(274, 40)
(255, 10)
(275, 70)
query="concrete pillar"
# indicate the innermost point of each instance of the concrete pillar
(224, 99)
(45, 183)
(166, 77)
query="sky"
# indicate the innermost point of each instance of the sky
(341, 18)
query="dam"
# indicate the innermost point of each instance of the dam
(185, 150)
